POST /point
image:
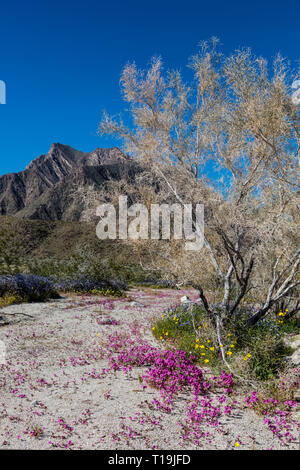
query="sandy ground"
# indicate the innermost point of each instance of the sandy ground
(55, 392)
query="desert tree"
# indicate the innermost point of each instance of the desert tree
(229, 138)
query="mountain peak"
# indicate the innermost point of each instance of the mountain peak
(43, 181)
(58, 146)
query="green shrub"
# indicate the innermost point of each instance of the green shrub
(188, 328)
(258, 351)
(268, 351)
(10, 299)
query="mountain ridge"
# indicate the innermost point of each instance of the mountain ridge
(48, 186)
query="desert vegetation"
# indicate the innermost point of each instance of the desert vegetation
(67, 257)
(227, 138)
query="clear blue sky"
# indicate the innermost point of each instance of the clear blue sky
(61, 60)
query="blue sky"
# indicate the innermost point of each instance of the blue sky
(61, 60)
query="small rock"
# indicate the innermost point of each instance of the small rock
(4, 321)
(294, 341)
(35, 403)
(136, 304)
(185, 300)
(295, 357)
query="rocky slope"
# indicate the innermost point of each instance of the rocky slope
(53, 185)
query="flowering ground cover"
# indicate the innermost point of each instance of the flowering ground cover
(86, 372)
(18, 288)
(258, 352)
(26, 288)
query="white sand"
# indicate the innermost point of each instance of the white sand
(40, 384)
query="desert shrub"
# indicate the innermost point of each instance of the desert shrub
(90, 269)
(104, 287)
(10, 251)
(265, 343)
(259, 351)
(248, 244)
(79, 274)
(187, 328)
(268, 354)
(10, 299)
(282, 389)
(27, 287)
(32, 288)
(55, 268)
(156, 283)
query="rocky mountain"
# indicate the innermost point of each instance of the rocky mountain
(55, 186)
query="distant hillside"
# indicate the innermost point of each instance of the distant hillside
(56, 239)
(43, 241)
(52, 187)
